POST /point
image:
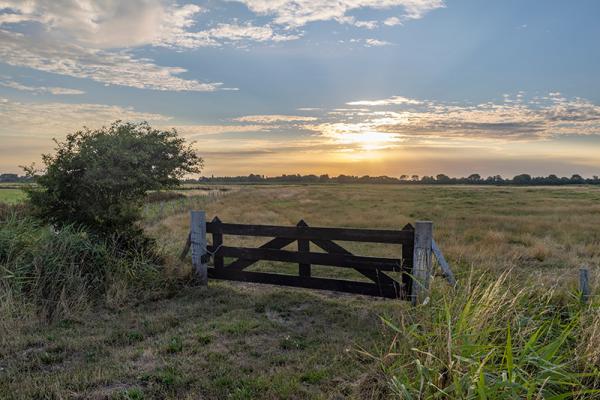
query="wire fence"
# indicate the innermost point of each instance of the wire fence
(154, 212)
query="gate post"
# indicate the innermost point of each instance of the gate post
(584, 284)
(422, 261)
(304, 247)
(198, 241)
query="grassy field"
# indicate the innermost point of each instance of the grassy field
(244, 341)
(11, 195)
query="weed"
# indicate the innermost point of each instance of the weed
(175, 345)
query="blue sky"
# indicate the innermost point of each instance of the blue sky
(313, 86)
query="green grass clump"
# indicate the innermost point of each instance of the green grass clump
(487, 341)
(63, 272)
(175, 345)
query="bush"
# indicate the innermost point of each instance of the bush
(98, 179)
(65, 271)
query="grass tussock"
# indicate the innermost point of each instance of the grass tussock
(62, 273)
(487, 341)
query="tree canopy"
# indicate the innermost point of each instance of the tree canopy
(99, 178)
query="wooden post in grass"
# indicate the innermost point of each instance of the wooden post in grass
(303, 246)
(217, 242)
(198, 241)
(422, 261)
(443, 264)
(584, 284)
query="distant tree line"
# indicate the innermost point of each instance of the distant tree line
(440, 179)
(14, 178)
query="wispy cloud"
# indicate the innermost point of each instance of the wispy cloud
(376, 43)
(427, 122)
(392, 21)
(48, 119)
(94, 39)
(222, 33)
(40, 89)
(199, 130)
(271, 118)
(297, 13)
(109, 67)
(394, 100)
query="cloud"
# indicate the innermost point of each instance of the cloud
(225, 33)
(103, 23)
(40, 89)
(370, 42)
(366, 24)
(125, 24)
(109, 67)
(394, 100)
(237, 32)
(392, 21)
(361, 135)
(297, 13)
(93, 39)
(205, 130)
(434, 124)
(376, 43)
(48, 119)
(271, 118)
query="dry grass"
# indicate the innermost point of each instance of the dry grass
(539, 233)
(244, 341)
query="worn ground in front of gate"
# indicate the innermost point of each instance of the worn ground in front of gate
(242, 341)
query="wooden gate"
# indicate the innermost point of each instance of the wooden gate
(333, 254)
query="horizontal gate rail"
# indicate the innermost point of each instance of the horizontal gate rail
(333, 260)
(365, 288)
(313, 233)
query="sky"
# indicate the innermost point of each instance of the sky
(377, 87)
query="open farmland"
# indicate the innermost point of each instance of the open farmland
(11, 195)
(540, 232)
(243, 341)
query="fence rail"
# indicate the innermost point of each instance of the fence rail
(305, 232)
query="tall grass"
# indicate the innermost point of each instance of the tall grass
(490, 340)
(62, 273)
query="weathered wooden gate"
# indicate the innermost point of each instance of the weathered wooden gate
(333, 254)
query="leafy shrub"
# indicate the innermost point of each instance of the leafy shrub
(98, 179)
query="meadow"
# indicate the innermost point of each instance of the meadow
(11, 194)
(514, 328)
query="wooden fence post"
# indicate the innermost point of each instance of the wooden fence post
(217, 242)
(303, 246)
(447, 272)
(198, 241)
(584, 284)
(422, 261)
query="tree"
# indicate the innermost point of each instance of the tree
(442, 178)
(576, 178)
(523, 179)
(474, 178)
(98, 179)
